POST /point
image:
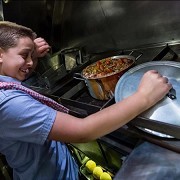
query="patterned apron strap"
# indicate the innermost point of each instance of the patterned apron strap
(43, 99)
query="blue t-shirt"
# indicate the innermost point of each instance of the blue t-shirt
(24, 127)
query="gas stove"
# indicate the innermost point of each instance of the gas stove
(74, 94)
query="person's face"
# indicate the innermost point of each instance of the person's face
(16, 62)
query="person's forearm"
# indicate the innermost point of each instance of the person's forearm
(41, 50)
(115, 116)
(71, 129)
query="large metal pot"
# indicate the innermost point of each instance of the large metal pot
(102, 88)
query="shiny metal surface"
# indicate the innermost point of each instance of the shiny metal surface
(148, 161)
(167, 110)
(1, 11)
(99, 26)
(33, 14)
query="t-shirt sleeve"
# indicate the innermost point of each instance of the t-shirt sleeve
(26, 119)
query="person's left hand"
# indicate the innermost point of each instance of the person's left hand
(41, 47)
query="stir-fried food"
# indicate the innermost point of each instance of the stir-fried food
(106, 67)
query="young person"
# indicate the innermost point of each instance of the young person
(33, 134)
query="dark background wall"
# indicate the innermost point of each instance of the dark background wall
(98, 26)
(36, 14)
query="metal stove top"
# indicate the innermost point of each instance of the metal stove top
(75, 91)
(74, 94)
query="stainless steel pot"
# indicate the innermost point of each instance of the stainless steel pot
(168, 109)
(103, 88)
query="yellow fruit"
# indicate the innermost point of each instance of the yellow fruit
(90, 165)
(97, 172)
(105, 176)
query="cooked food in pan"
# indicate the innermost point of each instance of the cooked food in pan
(106, 67)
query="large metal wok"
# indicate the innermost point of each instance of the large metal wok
(168, 109)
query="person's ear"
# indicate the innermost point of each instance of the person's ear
(1, 54)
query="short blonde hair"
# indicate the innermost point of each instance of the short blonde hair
(11, 32)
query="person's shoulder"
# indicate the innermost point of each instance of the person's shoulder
(14, 99)
(8, 94)
(13, 93)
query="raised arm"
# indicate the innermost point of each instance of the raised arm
(41, 49)
(152, 88)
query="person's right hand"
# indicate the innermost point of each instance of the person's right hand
(41, 47)
(153, 87)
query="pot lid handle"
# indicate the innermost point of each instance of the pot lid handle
(172, 94)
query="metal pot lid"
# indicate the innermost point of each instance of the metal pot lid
(167, 110)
